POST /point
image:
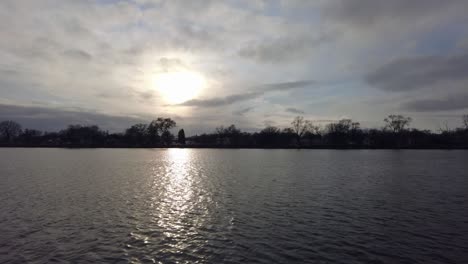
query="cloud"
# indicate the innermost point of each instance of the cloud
(243, 111)
(453, 102)
(171, 64)
(220, 101)
(54, 119)
(284, 49)
(294, 110)
(231, 99)
(287, 85)
(419, 72)
(365, 13)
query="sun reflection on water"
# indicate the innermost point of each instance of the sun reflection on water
(181, 209)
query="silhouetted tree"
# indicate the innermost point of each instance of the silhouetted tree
(167, 137)
(300, 126)
(288, 136)
(82, 135)
(9, 130)
(153, 132)
(30, 136)
(181, 137)
(343, 133)
(161, 126)
(397, 123)
(269, 136)
(228, 135)
(137, 134)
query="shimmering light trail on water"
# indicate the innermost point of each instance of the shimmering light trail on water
(233, 206)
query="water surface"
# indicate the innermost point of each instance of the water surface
(233, 206)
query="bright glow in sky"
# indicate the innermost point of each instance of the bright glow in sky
(178, 87)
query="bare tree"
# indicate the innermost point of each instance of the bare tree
(9, 130)
(465, 121)
(300, 126)
(397, 123)
(445, 128)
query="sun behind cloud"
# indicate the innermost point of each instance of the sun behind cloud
(179, 86)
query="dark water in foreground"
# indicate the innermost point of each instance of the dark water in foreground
(233, 206)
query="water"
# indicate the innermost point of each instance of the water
(233, 206)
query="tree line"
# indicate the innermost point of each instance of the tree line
(344, 133)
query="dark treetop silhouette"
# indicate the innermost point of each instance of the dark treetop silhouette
(344, 133)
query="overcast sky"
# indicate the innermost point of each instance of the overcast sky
(264, 62)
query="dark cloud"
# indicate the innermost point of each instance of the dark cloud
(231, 99)
(286, 85)
(454, 102)
(368, 12)
(419, 72)
(294, 110)
(243, 111)
(53, 119)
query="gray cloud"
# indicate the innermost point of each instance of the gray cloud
(419, 72)
(368, 12)
(294, 110)
(454, 102)
(231, 99)
(243, 111)
(283, 49)
(53, 119)
(286, 85)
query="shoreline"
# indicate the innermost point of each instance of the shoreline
(245, 147)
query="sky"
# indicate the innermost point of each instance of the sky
(257, 63)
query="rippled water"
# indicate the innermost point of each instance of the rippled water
(233, 206)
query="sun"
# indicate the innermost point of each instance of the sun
(178, 87)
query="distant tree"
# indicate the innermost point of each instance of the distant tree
(167, 137)
(343, 126)
(78, 134)
(300, 126)
(136, 134)
(153, 131)
(465, 121)
(397, 123)
(228, 131)
(166, 124)
(288, 136)
(444, 128)
(30, 136)
(339, 132)
(181, 137)
(228, 135)
(270, 130)
(161, 126)
(9, 130)
(316, 130)
(269, 136)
